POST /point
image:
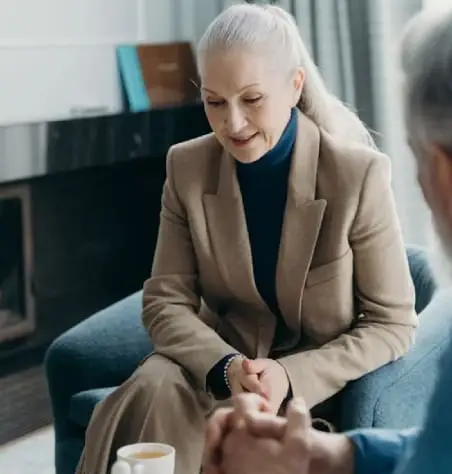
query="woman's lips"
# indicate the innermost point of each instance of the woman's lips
(241, 142)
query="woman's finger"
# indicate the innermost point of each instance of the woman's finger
(251, 383)
(236, 387)
(256, 366)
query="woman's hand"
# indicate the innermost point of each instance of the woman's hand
(264, 377)
(273, 381)
(242, 381)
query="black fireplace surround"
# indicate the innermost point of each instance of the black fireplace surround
(78, 223)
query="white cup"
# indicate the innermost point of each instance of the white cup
(163, 464)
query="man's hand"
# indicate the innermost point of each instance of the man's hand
(244, 453)
(222, 422)
(272, 378)
(238, 440)
(219, 425)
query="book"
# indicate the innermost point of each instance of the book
(158, 75)
(132, 79)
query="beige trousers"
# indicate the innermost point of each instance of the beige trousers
(158, 403)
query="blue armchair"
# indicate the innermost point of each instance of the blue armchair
(87, 362)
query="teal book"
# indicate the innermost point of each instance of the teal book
(132, 79)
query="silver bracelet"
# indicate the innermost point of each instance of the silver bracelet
(226, 368)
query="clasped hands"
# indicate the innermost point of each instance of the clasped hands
(264, 377)
(249, 438)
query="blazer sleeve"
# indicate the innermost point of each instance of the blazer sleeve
(172, 295)
(384, 296)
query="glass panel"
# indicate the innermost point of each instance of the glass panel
(12, 296)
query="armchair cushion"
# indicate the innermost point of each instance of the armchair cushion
(82, 404)
(397, 394)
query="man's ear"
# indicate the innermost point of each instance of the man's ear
(441, 174)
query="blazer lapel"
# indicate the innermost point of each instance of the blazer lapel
(228, 233)
(302, 221)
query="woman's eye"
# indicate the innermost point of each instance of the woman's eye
(215, 103)
(252, 100)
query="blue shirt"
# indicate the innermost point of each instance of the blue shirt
(380, 451)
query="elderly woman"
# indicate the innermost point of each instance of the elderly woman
(280, 267)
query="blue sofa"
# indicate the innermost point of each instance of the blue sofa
(86, 363)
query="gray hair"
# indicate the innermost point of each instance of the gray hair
(271, 29)
(427, 69)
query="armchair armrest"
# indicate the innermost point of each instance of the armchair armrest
(422, 276)
(397, 395)
(101, 351)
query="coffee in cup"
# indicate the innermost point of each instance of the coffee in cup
(155, 458)
(147, 454)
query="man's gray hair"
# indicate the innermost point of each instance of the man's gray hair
(427, 68)
(272, 30)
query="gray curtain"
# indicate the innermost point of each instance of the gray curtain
(387, 19)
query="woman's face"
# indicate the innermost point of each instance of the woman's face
(248, 101)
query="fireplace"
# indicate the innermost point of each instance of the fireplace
(73, 237)
(17, 316)
(79, 212)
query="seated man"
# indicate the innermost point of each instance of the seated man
(247, 439)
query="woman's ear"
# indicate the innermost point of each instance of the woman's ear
(298, 83)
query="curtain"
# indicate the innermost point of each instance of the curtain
(354, 43)
(386, 21)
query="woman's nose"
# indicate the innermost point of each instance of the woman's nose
(235, 120)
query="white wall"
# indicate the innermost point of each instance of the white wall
(437, 4)
(57, 57)
(57, 22)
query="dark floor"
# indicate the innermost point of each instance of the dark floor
(24, 403)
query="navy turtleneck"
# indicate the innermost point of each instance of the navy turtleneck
(263, 185)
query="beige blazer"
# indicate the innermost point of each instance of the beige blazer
(343, 282)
